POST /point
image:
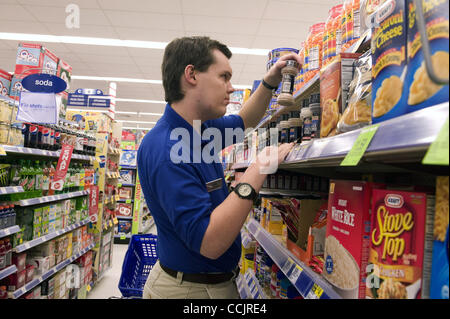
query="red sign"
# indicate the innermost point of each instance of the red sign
(93, 203)
(62, 167)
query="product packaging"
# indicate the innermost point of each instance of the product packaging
(439, 273)
(389, 63)
(421, 91)
(347, 237)
(124, 209)
(400, 244)
(335, 80)
(359, 110)
(126, 193)
(65, 72)
(5, 82)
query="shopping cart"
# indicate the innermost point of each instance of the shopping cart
(139, 260)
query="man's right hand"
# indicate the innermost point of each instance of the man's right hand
(271, 157)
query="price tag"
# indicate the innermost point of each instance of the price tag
(116, 221)
(437, 153)
(110, 223)
(296, 272)
(359, 147)
(293, 153)
(2, 151)
(123, 237)
(315, 292)
(302, 151)
(119, 184)
(317, 148)
(288, 265)
(88, 288)
(128, 201)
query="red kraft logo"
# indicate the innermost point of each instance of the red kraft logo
(394, 200)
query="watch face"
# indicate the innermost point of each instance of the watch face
(245, 190)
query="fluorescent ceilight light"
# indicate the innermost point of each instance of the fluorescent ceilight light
(137, 128)
(125, 121)
(140, 101)
(131, 80)
(108, 42)
(140, 113)
(114, 79)
(87, 110)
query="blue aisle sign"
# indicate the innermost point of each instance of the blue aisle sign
(89, 97)
(44, 83)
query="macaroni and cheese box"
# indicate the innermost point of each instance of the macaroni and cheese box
(422, 91)
(347, 236)
(400, 245)
(388, 49)
(439, 269)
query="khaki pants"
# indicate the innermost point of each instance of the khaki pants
(161, 285)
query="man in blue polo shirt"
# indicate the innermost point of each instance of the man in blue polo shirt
(197, 219)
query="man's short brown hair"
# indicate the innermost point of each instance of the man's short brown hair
(181, 52)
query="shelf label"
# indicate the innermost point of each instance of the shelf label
(296, 272)
(2, 151)
(437, 153)
(116, 221)
(128, 201)
(315, 292)
(359, 147)
(287, 266)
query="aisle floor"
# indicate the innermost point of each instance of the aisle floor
(109, 284)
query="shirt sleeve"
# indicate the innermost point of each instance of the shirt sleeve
(185, 200)
(231, 127)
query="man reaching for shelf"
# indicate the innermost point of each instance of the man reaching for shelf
(198, 221)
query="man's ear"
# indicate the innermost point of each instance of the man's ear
(189, 74)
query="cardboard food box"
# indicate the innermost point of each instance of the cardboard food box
(399, 262)
(439, 272)
(335, 80)
(124, 209)
(389, 62)
(5, 82)
(421, 91)
(347, 237)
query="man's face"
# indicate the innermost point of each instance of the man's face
(214, 87)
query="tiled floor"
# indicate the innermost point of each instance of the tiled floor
(109, 284)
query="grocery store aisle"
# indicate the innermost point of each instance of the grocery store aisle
(109, 284)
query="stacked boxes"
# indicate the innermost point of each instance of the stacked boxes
(5, 82)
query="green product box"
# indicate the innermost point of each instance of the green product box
(45, 214)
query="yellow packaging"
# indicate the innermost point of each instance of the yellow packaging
(275, 221)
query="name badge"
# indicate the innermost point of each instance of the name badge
(214, 185)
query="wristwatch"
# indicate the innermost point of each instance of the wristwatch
(246, 191)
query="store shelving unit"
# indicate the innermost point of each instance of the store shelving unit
(8, 271)
(308, 283)
(249, 287)
(9, 231)
(397, 149)
(48, 199)
(35, 242)
(36, 281)
(19, 150)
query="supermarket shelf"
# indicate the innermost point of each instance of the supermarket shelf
(11, 190)
(9, 231)
(414, 133)
(47, 199)
(39, 152)
(43, 239)
(128, 236)
(245, 238)
(125, 217)
(127, 185)
(128, 201)
(8, 271)
(127, 167)
(308, 283)
(285, 192)
(248, 286)
(19, 292)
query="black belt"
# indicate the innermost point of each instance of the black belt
(203, 278)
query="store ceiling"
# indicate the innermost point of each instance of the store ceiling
(254, 24)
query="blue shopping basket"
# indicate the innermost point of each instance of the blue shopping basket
(139, 260)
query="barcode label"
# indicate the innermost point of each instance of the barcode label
(296, 272)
